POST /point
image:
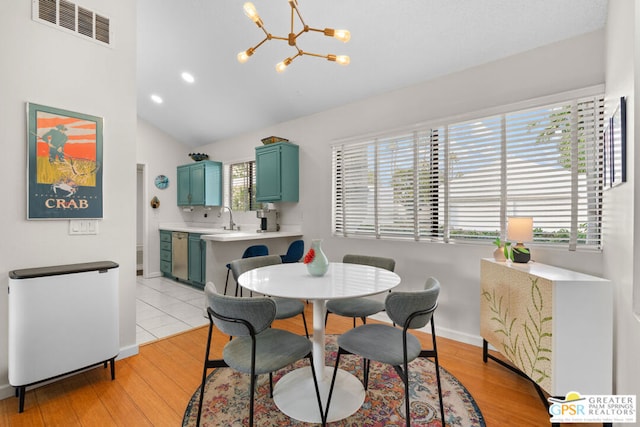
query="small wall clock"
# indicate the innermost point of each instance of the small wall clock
(162, 182)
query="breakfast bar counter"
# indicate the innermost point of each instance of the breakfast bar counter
(223, 246)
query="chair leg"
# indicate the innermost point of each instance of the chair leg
(304, 322)
(366, 364)
(333, 381)
(251, 396)
(271, 385)
(204, 374)
(434, 353)
(226, 282)
(315, 383)
(435, 357)
(405, 379)
(208, 364)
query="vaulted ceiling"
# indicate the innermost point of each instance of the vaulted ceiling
(393, 44)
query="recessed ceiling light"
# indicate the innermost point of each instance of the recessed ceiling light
(187, 77)
(156, 99)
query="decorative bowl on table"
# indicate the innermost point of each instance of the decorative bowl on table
(198, 156)
(272, 139)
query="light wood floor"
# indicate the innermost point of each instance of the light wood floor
(154, 387)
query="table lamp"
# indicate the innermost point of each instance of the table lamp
(520, 230)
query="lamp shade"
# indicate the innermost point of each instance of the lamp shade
(520, 229)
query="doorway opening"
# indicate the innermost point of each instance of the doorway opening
(140, 172)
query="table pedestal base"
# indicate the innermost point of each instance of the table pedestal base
(295, 395)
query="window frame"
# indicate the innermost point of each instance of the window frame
(440, 148)
(250, 186)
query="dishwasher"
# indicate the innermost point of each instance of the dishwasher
(180, 255)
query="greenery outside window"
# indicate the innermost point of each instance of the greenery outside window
(460, 181)
(242, 186)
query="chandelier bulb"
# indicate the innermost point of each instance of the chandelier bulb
(342, 35)
(252, 13)
(343, 59)
(281, 66)
(243, 57)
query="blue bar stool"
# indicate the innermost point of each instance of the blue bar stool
(294, 253)
(251, 251)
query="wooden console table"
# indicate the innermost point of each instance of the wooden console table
(553, 325)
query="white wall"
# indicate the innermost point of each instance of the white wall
(160, 154)
(47, 66)
(577, 63)
(621, 227)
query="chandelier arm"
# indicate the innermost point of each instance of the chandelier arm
(317, 55)
(292, 16)
(299, 16)
(261, 43)
(266, 33)
(272, 37)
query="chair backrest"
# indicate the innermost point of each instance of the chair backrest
(255, 250)
(401, 305)
(228, 312)
(374, 261)
(239, 266)
(294, 253)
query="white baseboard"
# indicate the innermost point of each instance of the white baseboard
(475, 340)
(6, 390)
(129, 351)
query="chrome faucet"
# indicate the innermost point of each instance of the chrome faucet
(232, 224)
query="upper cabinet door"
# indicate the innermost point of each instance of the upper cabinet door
(268, 177)
(184, 185)
(200, 184)
(277, 173)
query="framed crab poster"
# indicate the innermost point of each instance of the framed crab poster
(64, 164)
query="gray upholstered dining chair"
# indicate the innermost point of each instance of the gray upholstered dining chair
(256, 348)
(251, 251)
(285, 307)
(395, 345)
(360, 307)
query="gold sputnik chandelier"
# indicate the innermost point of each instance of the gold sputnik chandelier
(292, 38)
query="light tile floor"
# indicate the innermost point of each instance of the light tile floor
(165, 307)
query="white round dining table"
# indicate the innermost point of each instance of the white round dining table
(294, 393)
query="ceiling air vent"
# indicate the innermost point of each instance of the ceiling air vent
(70, 17)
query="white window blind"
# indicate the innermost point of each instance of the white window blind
(460, 181)
(242, 186)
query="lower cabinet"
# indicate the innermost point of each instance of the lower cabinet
(165, 253)
(197, 258)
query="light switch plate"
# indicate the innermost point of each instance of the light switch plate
(83, 226)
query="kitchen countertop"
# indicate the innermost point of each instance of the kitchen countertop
(234, 236)
(222, 235)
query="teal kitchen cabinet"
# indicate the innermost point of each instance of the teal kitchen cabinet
(200, 184)
(197, 260)
(165, 253)
(277, 172)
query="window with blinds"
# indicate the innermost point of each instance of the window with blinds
(461, 181)
(242, 186)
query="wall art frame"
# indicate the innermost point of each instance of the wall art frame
(64, 164)
(615, 146)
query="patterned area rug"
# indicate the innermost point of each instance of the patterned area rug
(226, 401)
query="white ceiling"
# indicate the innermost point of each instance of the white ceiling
(394, 43)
